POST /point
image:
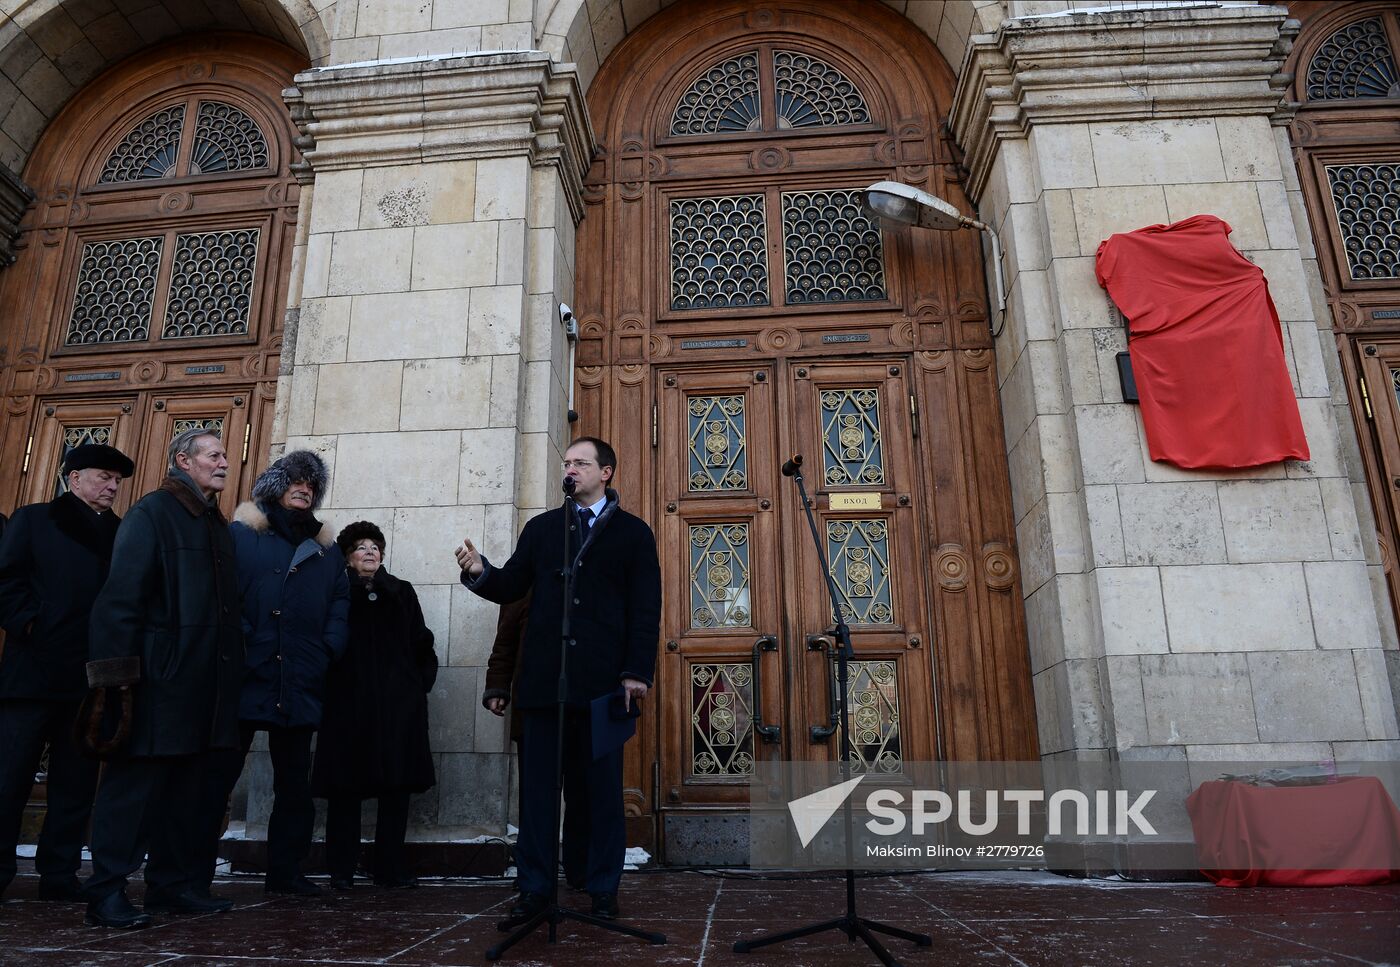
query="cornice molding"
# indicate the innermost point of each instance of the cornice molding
(15, 197)
(1129, 64)
(490, 105)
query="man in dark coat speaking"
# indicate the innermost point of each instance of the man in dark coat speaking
(53, 562)
(166, 626)
(615, 619)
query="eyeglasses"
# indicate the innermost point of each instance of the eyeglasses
(577, 464)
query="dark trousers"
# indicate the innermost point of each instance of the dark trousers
(343, 836)
(595, 833)
(146, 801)
(72, 779)
(293, 816)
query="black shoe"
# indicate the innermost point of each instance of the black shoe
(187, 901)
(115, 911)
(297, 886)
(397, 882)
(527, 905)
(605, 906)
(61, 889)
(342, 884)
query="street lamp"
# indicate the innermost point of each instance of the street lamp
(903, 204)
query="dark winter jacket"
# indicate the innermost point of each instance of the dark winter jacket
(295, 600)
(503, 664)
(616, 608)
(374, 730)
(171, 602)
(53, 560)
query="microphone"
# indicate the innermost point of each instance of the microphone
(569, 484)
(790, 468)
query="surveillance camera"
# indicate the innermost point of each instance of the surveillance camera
(565, 313)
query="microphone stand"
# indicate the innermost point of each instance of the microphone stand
(849, 923)
(552, 913)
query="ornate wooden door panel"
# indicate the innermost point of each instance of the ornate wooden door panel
(748, 653)
(64, 425)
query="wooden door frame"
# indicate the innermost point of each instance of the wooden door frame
(936, 315)
(39, 371)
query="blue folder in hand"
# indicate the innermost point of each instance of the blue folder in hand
(613, 723)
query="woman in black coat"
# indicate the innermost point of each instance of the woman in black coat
(374, 725)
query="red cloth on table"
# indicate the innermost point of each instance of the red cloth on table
(1346, 832)
(1206, 346)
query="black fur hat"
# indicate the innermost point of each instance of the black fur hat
(273, 482)
(356, 532)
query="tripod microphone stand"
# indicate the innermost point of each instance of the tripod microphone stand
(849, 923)
(552, 913)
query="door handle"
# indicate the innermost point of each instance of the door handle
(768, 733)
(824, 644)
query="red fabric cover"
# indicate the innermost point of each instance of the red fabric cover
(1347, 832)
(1206, 346)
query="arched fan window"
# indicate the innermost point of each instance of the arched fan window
(1354, 62)
(224, 138)
(768, 89)
(189, 276)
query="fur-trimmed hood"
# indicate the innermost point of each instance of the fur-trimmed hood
(250, 515)
(273, 482)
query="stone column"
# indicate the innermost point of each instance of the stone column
(1173, 615)
(429, 364)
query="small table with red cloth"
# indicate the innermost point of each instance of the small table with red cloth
(1206, 347)
(1342, 832)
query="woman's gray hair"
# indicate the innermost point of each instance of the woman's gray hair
(185, 443)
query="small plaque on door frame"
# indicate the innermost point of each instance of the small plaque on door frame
(858, 501)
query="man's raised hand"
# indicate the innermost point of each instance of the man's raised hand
(469, 559)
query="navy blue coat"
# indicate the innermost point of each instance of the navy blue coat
(616, 613)
(295, 604)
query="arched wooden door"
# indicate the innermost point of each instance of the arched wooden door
(735, 307)
(152, 270)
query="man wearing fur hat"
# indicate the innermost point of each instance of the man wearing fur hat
(52, 565)
(165, 645)
(296, 598)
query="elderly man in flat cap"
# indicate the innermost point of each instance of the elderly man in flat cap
(54, 558)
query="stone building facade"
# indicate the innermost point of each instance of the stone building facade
(449, 164)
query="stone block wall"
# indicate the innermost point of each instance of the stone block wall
(1171, 612)
(428, 364)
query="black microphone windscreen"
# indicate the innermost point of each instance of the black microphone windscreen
(790, 467)
(569, 484)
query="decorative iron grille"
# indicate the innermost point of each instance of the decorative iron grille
(149, 150)
(721, 100)
(115, 292)
(1367, 199)
(719, 576)
(211, 284)
(721, 718)
(873, 728)
(851, 442)
(73, 437)
(831, 250)
(812, 93)
(719, 256)
(858, 556)
(214, 424)
(718, 459)
(1356, 61)
(226, 139)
